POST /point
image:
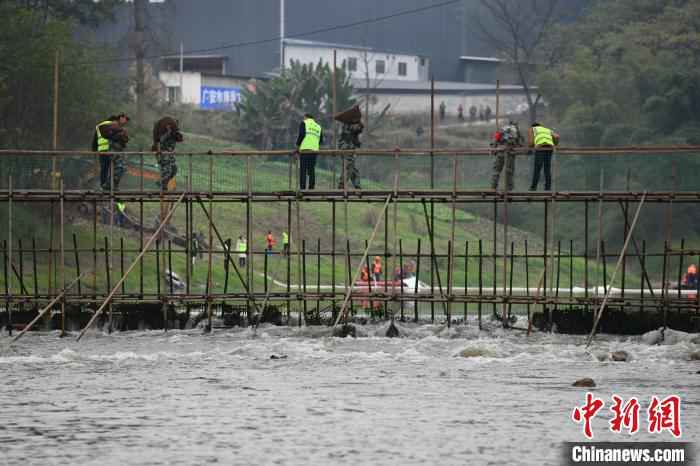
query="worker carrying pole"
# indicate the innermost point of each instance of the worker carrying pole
(111, 136)
(350, 140)
(166, 135)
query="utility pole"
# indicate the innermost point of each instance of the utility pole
(182, 66)
(281, 36)
(140, 51)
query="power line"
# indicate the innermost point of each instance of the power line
(278, 38)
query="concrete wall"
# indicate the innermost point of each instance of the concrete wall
(312, 54)
(191, 85)
(420, 103)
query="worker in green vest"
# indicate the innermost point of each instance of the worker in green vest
(285, 243)
(308, 144)
(542, 140)
(111, 136)
(242, 248)
(121, 213)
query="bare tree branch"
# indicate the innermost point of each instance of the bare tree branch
(517, 30)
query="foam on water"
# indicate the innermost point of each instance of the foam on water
(434, 395)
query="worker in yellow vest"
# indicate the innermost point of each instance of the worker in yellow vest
(308, 145)
(111, 136)
(542, 140)
(285, 243)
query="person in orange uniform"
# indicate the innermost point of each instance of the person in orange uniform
(270, 243)
(691, 278)
(377, 268)
(364, 276)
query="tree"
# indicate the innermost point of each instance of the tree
(85, 12)
(26, 91)
(139, 46)
(518, 30)
(270, 111)
(629, 73)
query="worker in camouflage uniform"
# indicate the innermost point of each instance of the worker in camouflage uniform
(111, 136)
(350, 140)
(166, 134)
(506, 141)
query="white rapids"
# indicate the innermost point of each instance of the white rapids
(435, 396)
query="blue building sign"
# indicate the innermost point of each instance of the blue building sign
(219, 98)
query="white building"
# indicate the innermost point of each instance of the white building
(359, 61)
(202, 83)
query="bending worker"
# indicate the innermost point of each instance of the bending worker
(542, 140)
(350, 140)
(308, 145)
(505, 141)
(111, 136)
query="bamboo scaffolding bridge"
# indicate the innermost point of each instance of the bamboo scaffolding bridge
(487, 267)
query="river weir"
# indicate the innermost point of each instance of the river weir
(289, 395)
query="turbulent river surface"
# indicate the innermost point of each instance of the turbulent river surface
(433, 396)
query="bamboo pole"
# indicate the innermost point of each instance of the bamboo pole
(343, 309)
(210, 272)
(617, 267)
(153, 237)
(63, 261)
(9, 257)
(46, 308)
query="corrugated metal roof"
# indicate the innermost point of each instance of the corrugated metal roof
(486, 59)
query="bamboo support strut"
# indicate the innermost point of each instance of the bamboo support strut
(48, 307)
(156, 234)
(343, 309)
(617, 267)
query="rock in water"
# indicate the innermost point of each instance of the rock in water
(344, 331)
(695, 356)
(585, 382)
(654, 337)
(620, 356)
(472, 353)
(392, 331)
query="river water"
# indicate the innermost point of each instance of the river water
(187, 398)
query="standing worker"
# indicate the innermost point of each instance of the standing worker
(111, 136)
(308, 145)
(542, 140)
(505, 142)
(350, 140)
(377, 268)
(285, 243)
(196, 248)
(270, 243)
(121, 213)
(166, 134)
(242, 248)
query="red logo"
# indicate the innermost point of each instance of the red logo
(587, 412)
(626, 416)
(662, 415)
(665, 415)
